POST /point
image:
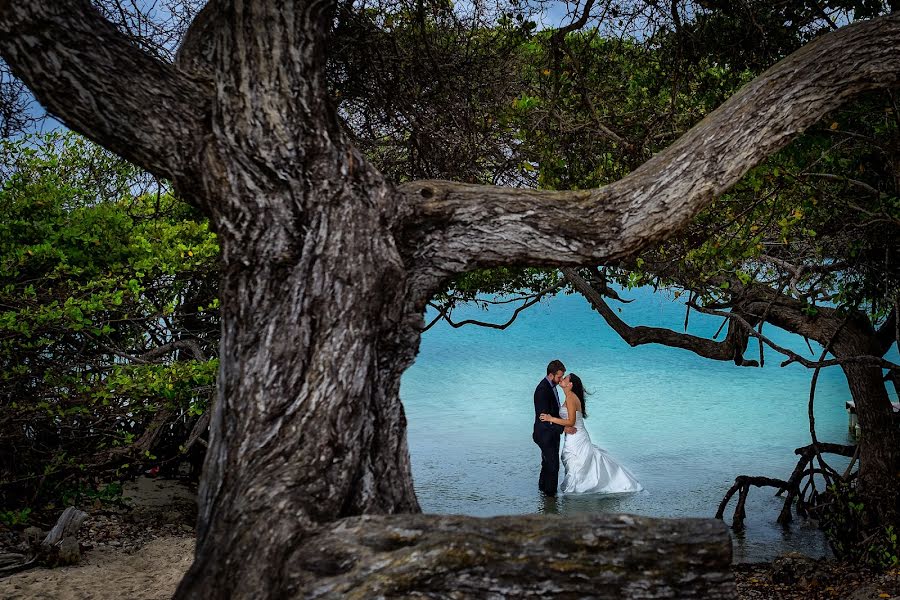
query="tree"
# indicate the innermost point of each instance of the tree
(327, 267)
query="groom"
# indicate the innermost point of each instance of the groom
(546, 435)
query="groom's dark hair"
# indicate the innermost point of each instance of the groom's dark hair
(554, 366)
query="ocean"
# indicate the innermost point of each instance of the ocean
(684, 425)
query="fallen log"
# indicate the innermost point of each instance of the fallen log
(430, 556)
(10, 567)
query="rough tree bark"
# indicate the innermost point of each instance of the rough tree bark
(327, 267)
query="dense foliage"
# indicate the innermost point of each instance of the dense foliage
(108, 327)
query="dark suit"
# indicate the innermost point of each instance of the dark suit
(546, 436)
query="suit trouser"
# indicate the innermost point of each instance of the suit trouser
(549, 478)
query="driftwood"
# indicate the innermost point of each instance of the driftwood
(59, 547)
(596, 556)
(67, 525)
(11, 559)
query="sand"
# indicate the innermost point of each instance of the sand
(151, 573)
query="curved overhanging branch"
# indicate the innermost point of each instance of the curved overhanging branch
(731, 348)
(89, 75)
(458, 227)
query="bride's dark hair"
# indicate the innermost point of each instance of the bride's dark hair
(578, 390)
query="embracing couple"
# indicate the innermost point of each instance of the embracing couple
(589, 469)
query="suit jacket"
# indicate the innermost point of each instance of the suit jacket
(545, 402)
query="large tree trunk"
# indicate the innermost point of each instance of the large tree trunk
(308, 426)
(850, 336)
(317, 320)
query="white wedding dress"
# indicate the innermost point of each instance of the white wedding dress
(589, 468)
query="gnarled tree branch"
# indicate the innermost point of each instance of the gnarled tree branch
(731, 348)
(792, 357)
(464, 226)
(526, 302)
(98, 83)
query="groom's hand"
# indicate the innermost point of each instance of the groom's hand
(571, 430)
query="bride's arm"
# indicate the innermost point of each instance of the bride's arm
(564, 422)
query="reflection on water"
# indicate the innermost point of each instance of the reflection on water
(685, 426)
(581, 503)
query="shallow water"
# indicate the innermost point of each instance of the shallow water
(684, 425)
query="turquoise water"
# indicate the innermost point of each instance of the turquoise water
(684, 425)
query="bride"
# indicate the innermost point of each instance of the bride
(589, 469)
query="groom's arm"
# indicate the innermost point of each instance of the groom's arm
(544, 404)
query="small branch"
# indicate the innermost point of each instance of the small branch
(825, 15)
(740, 512)
(887, 334)
(527, 302)
(799, 270)
(199, 429)
(853, 460)
(854, 182)
(148, 357)
(687, 310)
(442, 313)
(577, 24)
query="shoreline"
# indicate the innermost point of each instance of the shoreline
(143, 551)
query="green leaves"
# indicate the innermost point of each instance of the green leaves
(525, 103)
(853, 531)
(94, 273)
(14, 518)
